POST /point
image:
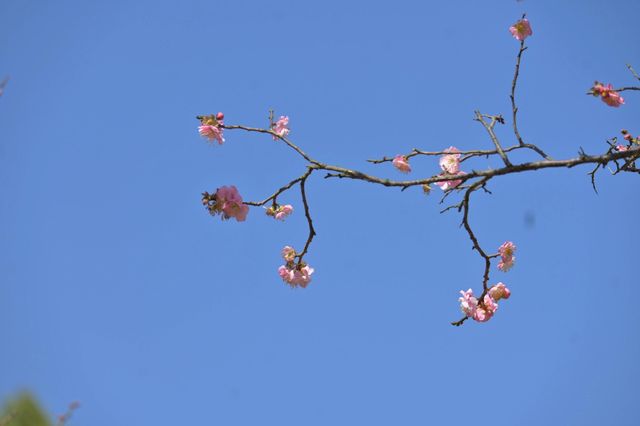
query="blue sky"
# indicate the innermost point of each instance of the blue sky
(118, 290)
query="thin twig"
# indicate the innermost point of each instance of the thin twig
(274, 134)
(312, 231)
(492, 134)
(279, 191)
(635, 74)
(514, 108)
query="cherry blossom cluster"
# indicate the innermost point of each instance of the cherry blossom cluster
(292, 273)
(211, 127)
(280, 212)
(608, 95)
(507, 259)
(482, 311)
(226, 202)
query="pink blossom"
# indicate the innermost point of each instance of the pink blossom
(521, 29)
(288, 253)
(303, 276)
(485, 311)
(285, 273)
(622, 148)
(504, 266)
(229, 203)
(468, 303)
(450, 163)
(613, 99)
(296, 276)
(279, 212)
(608, 95)
(450, 184)
(283, 211)
(401, 163)
(212, 133)
(281, 127)
(482, 312)
(499, 291)
(507, 260)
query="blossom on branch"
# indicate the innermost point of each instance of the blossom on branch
(482, 312)
(288, 253)
(607, 94)
(294, 274)
(226, 202)
(297, 276)
(211, 127)
(446, 185)
(507, 260)
(401, 163)
(521, 29)
(468, 303)
(450, 163)
(499, 291)
(212, 133)
(281, 127)
(280, 212)
(485, 311)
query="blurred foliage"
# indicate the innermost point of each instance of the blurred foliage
(23, 410)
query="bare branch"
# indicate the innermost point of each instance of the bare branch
(489, 128)
(312, 231)
(275, 135)
(279, 191)
(514, 108)
(635, 74)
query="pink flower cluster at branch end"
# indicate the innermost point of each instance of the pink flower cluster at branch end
(607, 94)
(450, 165)
(226, 202)
(296, 275)
(521, 29)
(507, 259)
(281, 127)
(401, 163)
(280, 212)
(211, 128)
(483, 311)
